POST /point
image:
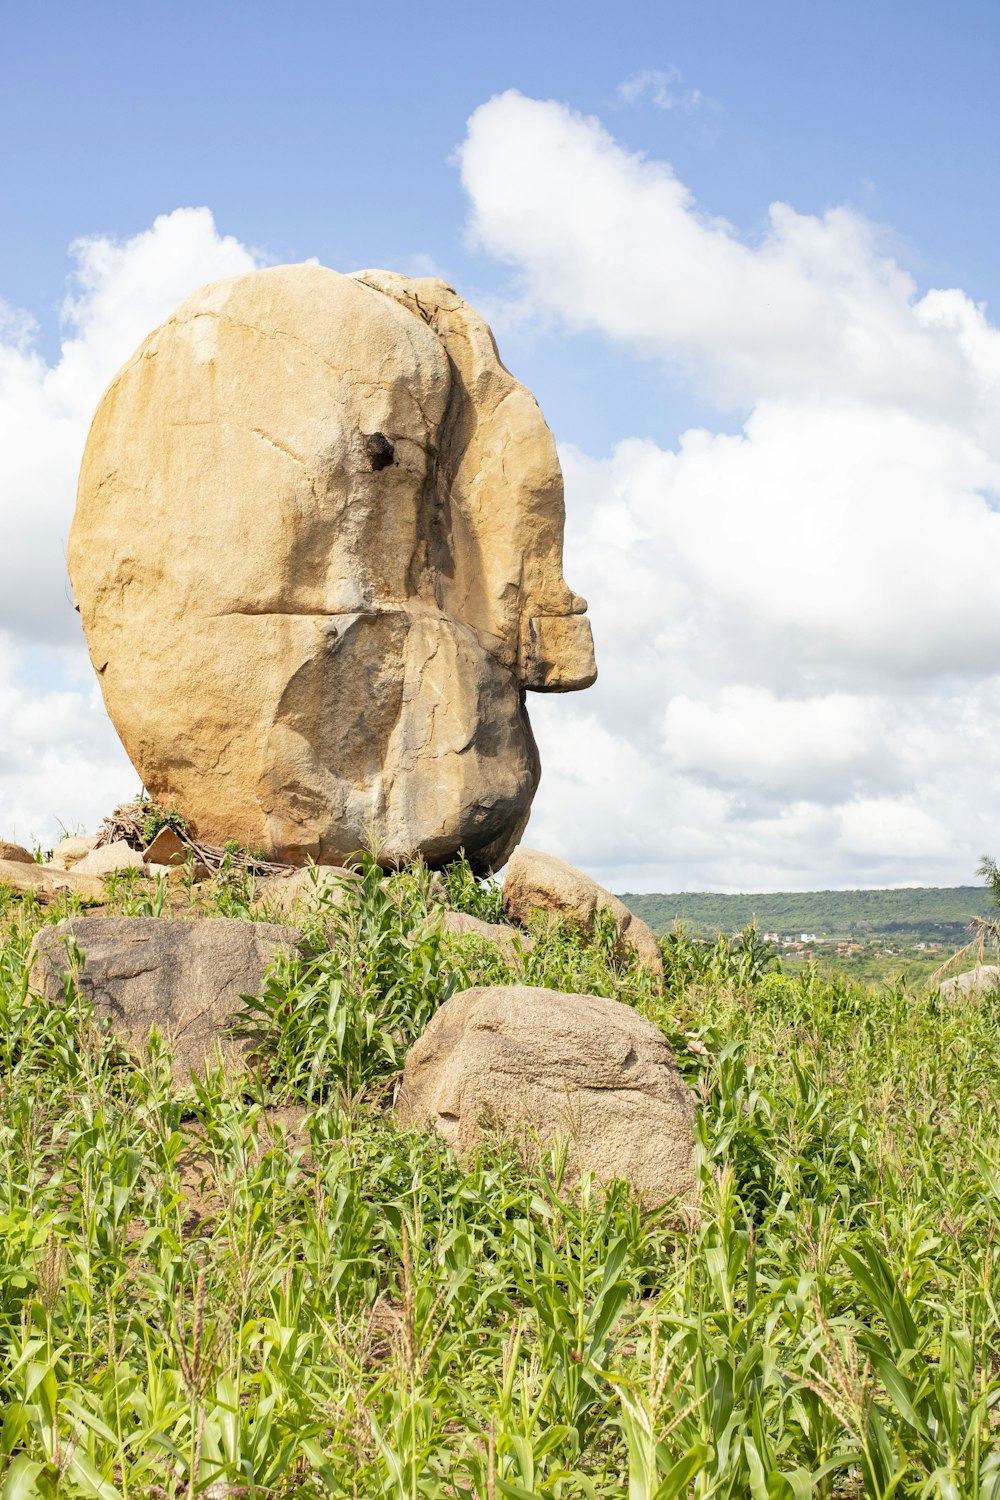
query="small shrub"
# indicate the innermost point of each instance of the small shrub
(156, 819)
(466, 892)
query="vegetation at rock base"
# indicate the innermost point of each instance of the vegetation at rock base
(268, 1290)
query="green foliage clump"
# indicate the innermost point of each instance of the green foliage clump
(464, 891)
(157, 818)
(345, 1018)
(266, 1289)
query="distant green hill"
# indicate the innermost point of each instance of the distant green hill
(928, 913)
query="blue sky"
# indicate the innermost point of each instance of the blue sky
(329, 131)
(343, 134)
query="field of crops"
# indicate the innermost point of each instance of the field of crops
(268, 1290)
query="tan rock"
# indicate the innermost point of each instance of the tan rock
(110, 858)
(317, 885)
(45, 882)
(544, 1065)
(16, 852)
(513, 943)
(69, 852)
(318, 555)
(540, 882)
(186, 978)
(166, 849)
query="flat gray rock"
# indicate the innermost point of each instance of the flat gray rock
(184, 977)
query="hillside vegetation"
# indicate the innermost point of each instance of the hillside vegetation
(263, 1288)
(932, 913)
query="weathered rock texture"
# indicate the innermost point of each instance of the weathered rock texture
(46, 882)
(17, 853)
(540, 882)
(184, 977)
(983, 980)
(110, 858)
(544, 1065)
(306, 889)
(317, 551)
(69, 852)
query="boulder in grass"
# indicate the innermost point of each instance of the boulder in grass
(543, 1066)
(185, 978)
(540, 882)
(512, 942)
(17, 853)
(984, 979)
(305, 889)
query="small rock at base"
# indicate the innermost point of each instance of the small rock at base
(166, 849)
(540, 882)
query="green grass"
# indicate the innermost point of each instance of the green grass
(275, 1292)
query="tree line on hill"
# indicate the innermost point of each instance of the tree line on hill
(932, 913)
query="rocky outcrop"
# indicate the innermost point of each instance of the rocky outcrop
(542, 1065)
(540, 882)
(317, 550)
(45, 882)
(185, 978)
(982, 980)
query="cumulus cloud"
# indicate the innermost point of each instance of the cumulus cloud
(59, 758)
(797, 622)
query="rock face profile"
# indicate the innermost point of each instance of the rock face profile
(546, 1064)
(317, 551)
(184, 977)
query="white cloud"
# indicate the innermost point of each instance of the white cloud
(798, 625)
(661, 86)
(120, 291)
(59, 758)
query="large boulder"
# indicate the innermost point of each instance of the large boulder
(46, 882)
(540, 882)
(546, 1065)
(984, 979)
(317, 550)
(186, 978)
